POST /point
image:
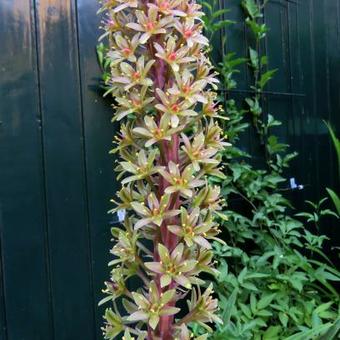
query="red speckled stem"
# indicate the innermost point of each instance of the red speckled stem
(169, 152)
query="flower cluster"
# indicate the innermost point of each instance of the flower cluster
(169, 142)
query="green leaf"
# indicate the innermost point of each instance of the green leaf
(265, 77)
(265, 301)
(336, 143)
(272, 333)
(254, 58)
(310, 333)
(335, 198)
(230, 304)
(251, 8)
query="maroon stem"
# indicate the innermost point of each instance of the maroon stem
(169, 152)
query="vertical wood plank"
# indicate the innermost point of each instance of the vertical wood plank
(99, 133)
(22, 224)
(3, 321)
(297, 110)
(278, 55)
(306, 151)
(70, 255)
(333, 82)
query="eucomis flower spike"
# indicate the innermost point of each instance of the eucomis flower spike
(163, 86)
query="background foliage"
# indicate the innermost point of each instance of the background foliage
(276, 282)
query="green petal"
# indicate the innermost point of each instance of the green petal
(140, 208)
(163, 253)
(165, 280)
(167, 296)
(153, 321)
(169, 311)
(140, 300)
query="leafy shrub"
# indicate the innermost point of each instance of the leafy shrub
(275, 281)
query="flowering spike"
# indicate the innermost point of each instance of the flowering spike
(163, 85)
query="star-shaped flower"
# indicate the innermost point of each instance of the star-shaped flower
(136, 101)
(124, 139)
(153, 305)
(173, 56)
(173, 267)
(208, 198)
(174, 107)
(197, 152)
(150, 24)
(191, 33)
(143, 169)
(155, 212)
(193, 230)
(125, 248)
(188, 88)
(155, 133)
(192, 10)
(168, 7)
(123, 4)
(203, 308)
(134, 76)
(214, 137)
(123, 49)
(126, 195)
(184, 182)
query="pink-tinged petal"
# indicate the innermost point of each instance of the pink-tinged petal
(175, 229)
(186, 192)
(165, 174)
(162, 96)
(138, 316)
(135, 27)
(121, 80)
(142, 132)
(141, 223)
(183, 281)
(159, 48)
(173, 169)
(174, 121)
(171, 190)
(186, 60)
(172, 213)
(178, 13)
(145, 37)
(202, 242)
(120, 8)
(154, 266)
(177, 253)
(161, 107)
(126, 68)
(150, 142)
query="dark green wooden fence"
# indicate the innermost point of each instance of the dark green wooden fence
(56, 176)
